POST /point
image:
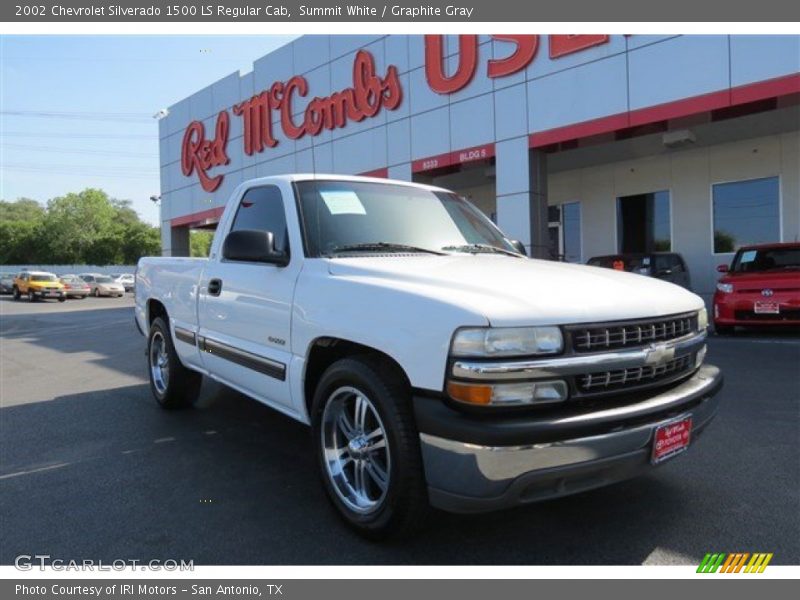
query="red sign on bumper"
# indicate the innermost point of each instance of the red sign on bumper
(671, 439)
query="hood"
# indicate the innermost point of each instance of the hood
(512, 291)
(778, 280)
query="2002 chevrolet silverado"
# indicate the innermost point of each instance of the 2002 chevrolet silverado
(436, 364)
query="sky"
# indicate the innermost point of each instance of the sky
(88, 104)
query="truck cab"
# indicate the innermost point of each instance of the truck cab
(436, 364)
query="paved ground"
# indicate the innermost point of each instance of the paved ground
(91, 468)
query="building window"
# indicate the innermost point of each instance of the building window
(746, 212)
(644, 223)
(571, 227)
(564, 226)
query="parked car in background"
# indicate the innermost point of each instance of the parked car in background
(126, 279)
(761, 286)
(75, 287)
(668, 266)
(37, 285)
(6, 283)
(102, 285)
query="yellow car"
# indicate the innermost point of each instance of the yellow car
(38, 284)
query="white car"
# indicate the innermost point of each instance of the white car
(102, 285)
(436, 364)
(126, 280)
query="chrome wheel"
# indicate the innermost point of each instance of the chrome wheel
(159, 362)
(356, 454)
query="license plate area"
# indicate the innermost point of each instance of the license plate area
(671, 439)
(767, 308)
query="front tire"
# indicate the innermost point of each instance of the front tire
(16, 295)
(367, 446)
(31, 297)
(172, 384)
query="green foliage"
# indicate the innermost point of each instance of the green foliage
(723, 242)
(87, 227)
(200, 242)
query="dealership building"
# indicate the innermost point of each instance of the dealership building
(576, 145)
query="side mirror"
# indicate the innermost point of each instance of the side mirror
(722, 268)
(253, 246)
(519, 247)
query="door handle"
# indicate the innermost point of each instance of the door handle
(214, 287)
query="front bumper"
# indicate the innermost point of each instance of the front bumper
(738, 309)
(475, 464)
(48, 293)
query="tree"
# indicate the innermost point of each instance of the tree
(200, 242)
(87, 227)
(21, 231)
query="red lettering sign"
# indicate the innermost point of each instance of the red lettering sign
(527, 45)
(561, 45)
(199, 154)
(438, 81)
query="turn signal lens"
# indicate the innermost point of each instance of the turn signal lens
(509, 394)
(471, 394)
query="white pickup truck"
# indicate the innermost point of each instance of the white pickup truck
(437, 365)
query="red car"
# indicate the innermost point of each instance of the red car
(761, 287)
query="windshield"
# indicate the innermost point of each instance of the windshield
(766, 259)
(43, 278)
(103, 279)
(353, 216)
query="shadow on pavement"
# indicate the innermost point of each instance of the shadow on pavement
(109, 475)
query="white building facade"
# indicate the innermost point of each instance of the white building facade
(577, 145)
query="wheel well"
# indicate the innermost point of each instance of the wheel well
(326, 351)
(155, 309)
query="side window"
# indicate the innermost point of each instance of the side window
(261, 209)
(677, 264)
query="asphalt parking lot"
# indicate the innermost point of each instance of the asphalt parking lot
(92, 468)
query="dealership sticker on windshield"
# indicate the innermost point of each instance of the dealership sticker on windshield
(671, 439)
(342, 202)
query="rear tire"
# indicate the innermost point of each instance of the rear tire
(31, 297)
(172, 384)
(15, 294)
(96, 293)
(367, 447)
(62, 299)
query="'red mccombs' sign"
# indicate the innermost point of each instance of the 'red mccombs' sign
(369, 94)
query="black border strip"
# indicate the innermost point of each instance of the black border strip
(185, 335)
(246, 359)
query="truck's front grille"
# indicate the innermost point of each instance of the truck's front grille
(633, 377)
(609, 336)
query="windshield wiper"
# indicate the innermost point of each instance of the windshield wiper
(480, 249)
(383, 247)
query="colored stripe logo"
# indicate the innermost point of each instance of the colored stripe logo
(736, 562)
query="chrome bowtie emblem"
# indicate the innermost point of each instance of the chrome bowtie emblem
(659, 354)
(767, 292)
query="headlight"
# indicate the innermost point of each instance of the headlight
(507, 341)
(725, 288)
(702, 319)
